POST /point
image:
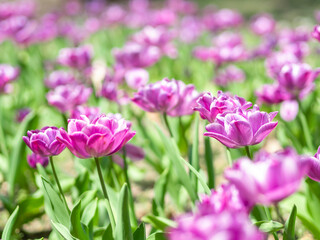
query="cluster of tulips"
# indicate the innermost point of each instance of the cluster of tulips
(88, 78)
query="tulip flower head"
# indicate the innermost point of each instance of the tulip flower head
(58, 78)
(79, 58)
(34, 159)
(270, 177)
(7, 75)
(99, 137)
(43, 142)
(210, 107)
(241, 127)
(316, 33)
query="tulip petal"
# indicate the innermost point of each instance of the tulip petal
(263, 132)
(78, 145)
(99, 145)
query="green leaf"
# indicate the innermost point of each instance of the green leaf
(157, 236)
(107, 235)
(55, 203)
(195, 153)
(9, 228)
(18, 154)
(174, 155)
(313, 199)
(289, 229)
(159, 222)
(63, 230)
(140, 233)
(87, 197)
(123, 227)
(161, 186)
(209, 162)
(89, 212)
(269, 226)
(76, 228)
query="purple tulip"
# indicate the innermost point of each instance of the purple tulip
(298, 78)
(43, 142)
(210, 107)
(7, 75)
(289, 110)
(134, 153)
(221, 55)
(270, 177)
(228, 75)
(190, 29)
(22, 114)
(204, 53)
(242, 127)
(109, 89)
(222, 19)
(263, 24)
(272, 94)
(100, 137)
(167, 96)
(277, 60)
(79, 58)
(300, 34)
(58, 78)
(316, 33)
(89, 112)
(113, 15)
(137, 78)
(162, 17)
(34, 159)
(67, 97)
(314, 163)
(223, 198)
(228, 39)
(134, 55)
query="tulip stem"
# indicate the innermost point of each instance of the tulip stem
(165, 118)
(276, 206)
(58, 182)
(104, 190)
(125, 168)
(305, 128)
(229, 158)
(248, 152)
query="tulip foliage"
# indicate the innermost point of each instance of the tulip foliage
(143, 121)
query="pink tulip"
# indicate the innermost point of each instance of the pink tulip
(67, 97)
(210, 107)
(272, 94)
(298, 78)
(58, 78)
(314, 163)
(89, 112)
(289, 110)
(242, 127)
(316, 33)
(22, 114)
(100, 137)
(270, 177)
(34, 159)
(228, 75)
(137, 78)
(43, 142)
(167, 96)
(263, 24)
(7, 75)
(79, 58)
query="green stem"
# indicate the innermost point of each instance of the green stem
(248, 152)
(229, 158)
(209, 162)
(276, 206)
(305, 128)
(167, 124)
(267, 211)
(104, 190)
(125, 168)
(58, 182)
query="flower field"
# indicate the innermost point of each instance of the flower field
(155, 120)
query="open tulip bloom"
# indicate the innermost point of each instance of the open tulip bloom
(241, 127)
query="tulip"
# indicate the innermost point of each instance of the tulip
(7, 75)
(210, 107)
(228, 75)
(137, 78)
(58, 78)
(228, 39)
(277, 60)
(34, 159)
(43, 142)
(241, 127)
(316, 33)
(272, 94)
(289, 110)
(99, 137)
(298, 78)
(22, 114)
(314, 163)
(67, 97)
(263, 24)
(79, 58)
(171, 97)
(89, 112)
(270, 177)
